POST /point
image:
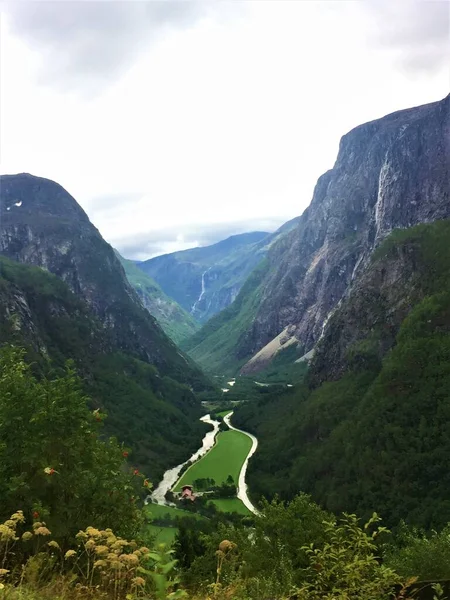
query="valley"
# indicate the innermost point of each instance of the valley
(192, 418)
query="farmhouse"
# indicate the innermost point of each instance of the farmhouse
(187, 493)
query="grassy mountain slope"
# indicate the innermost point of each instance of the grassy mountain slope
(175, 321)
(371, 427)
(153, 414)
(213, 347)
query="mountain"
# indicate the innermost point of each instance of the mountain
(175, 321)
(389, 173)
(206, 280)
(90, 313)
(370, 426)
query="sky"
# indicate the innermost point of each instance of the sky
(177, 124)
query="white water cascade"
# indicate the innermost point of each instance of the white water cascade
(202, 292)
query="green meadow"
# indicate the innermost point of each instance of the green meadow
(231, 505)
(224, 459)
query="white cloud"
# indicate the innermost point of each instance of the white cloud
(207, 120)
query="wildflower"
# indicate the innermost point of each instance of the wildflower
(81, 535)
(100, 563)
(6, 533)
(18, 517)
(89, 544)
(49, 471)
(147, 483)
(35, 515)
(54, 544)
(130, 559)
(137, 553)
(10, 523)
(144, 550)
(125, 454)
(91, 531)
(226, 546)
(136, 472)
(138, 581)
(37, 524)
(4, 572)
(101, 550)
(42, 531)
(70, 553)
(27, 536)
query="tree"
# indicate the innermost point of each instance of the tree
(52, 461)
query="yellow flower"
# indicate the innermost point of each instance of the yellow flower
(102, 550)
(226, 546)
(53, 544)
(89, 544)
(42, 531)
(10, 523)
(27, 536)
(4, 572)
(81, 535)
(100, 563)
(18, 517)
(92, 532)
(70, 553)
(138, 581)
(144, 550)
(6, 533)
(130, 559)
(37, 524)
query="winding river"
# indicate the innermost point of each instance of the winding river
(171, 476)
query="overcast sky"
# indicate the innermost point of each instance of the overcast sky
(176, 124)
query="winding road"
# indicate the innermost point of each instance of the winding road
(242, 485)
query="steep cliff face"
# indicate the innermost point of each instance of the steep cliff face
(42, 225)
(206, 280)
(390, 173)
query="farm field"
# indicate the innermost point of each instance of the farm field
(224, 459)
(231, 505)
(158, 512)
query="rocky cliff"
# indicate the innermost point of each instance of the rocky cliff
(389, 173)
(41, 224)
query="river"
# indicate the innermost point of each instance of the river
(172, 475)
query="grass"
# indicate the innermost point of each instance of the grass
(224, 459)
(163, 535)
(159, 512)
(223, 413)
(231, 505)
